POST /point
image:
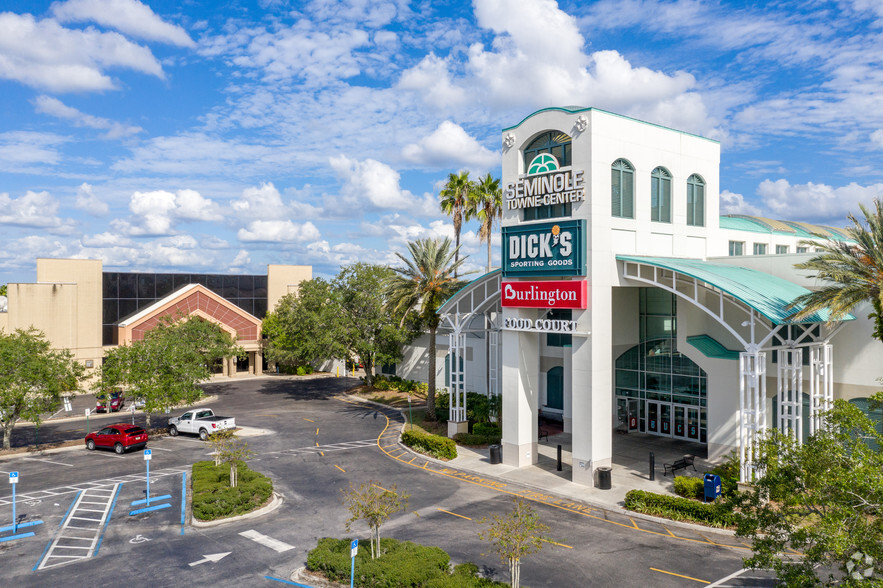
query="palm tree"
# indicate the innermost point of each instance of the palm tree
(854, 271)
(455, 202)
(487, 203)
(422, 286)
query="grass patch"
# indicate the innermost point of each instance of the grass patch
(401, 564)
(213, 498)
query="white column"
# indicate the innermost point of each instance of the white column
(457, 422)
(521, 373)
(752, 408)
(789, 383)
(821, 384)
(568, 389)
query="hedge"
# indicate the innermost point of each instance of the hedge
(689, 487)
(473, 440)
(382, 382)
(213, 498)
(715, 514)
(400, 565)
(434, 445)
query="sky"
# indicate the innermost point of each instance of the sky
(218, 136)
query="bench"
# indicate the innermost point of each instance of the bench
(542, 433)
(679, 464)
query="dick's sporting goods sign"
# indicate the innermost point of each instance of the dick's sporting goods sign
(551, 294)
(546, 249)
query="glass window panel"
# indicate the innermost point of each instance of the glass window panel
(180, 280)
(164, 285)
(110, 284)
(246, 286)
(128, 306)
(260, 287)
(260, 307)
(146, 286)
(110, 312)
(128, 285)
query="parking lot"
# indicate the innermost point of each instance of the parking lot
(313, 444)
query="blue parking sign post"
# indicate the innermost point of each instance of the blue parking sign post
(147, 454)
(354, 549)
(13, 479)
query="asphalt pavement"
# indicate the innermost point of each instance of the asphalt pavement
(313, 441)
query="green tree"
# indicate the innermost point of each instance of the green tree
(487, 205)
(373, 504)
(345, 318)
(32, 378)
(367, 329)
(515, 536)
(303, 327)
(166, 366)
(230, 449)
(3, 290)
(852, 272)
(822, 499)
(456, 202)
(421, 287)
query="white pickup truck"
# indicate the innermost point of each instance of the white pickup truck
(202, 422)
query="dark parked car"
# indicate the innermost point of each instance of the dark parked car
(116, 401)
(121, 437)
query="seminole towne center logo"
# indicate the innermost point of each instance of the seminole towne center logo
(545, 184)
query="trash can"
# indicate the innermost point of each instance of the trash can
(712, 487)
(604, 482)
(496, 453)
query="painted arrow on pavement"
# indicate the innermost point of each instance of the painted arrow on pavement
(212, 557)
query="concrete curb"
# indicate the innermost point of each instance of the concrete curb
(121, 413)
(275, 503)
(589, 502)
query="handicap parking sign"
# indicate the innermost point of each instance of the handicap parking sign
(13, 477)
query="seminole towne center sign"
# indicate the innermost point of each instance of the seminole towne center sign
(545, 184)
(546, 249)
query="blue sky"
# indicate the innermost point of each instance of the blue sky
(214, 136)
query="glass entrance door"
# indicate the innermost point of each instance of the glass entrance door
(686, 422)
(627, 413)
(658, 418)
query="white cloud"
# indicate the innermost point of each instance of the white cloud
(263, 202)
(25, 148)
(55, 107)
(43, 54)
(156, 213)
(278, 232)
(818, 203)
(88, 201)
(877, 138)
(107, 239)
(431, 79)
(34, 209)
(731, 203)
(450, 146)
(127, 16)
(373, 184)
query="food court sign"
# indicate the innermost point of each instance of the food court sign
(546, 249)
(550, 294)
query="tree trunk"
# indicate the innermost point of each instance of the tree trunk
(489, 252)
(7, 433)
(515, 572)
(369, 370)
(430, 392)
(147, 419)
(232, 474)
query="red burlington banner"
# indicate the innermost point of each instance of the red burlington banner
(551, 294)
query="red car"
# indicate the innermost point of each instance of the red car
(121, 437)
(116, 401)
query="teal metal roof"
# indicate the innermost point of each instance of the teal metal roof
(767, 294)
(711, 347)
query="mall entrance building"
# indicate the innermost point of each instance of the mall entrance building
(626, 304)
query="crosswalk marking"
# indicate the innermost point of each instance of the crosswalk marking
(63, 550)
(273, 544)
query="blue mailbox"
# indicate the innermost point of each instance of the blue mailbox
(712, 487)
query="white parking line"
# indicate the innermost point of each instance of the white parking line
(273, 544)
(46, 461)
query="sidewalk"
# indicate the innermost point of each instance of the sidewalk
(630, 469)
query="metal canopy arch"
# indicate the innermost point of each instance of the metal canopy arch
(763, 300)
(479, 298)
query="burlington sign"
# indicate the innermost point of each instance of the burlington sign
(545, 249)
(550, 294)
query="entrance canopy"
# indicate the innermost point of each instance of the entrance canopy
(767, 294)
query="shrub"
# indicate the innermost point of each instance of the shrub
(304, 370)
(689, 487)
(401, 564)
(478, 406)
(487, 430)
(435, 445)
(715, 514)
(213, 498)
(470, 439)
(729, 474)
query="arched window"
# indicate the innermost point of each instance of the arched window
(660, 195)
(696, 201)
(558, 145)
(622, 189)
